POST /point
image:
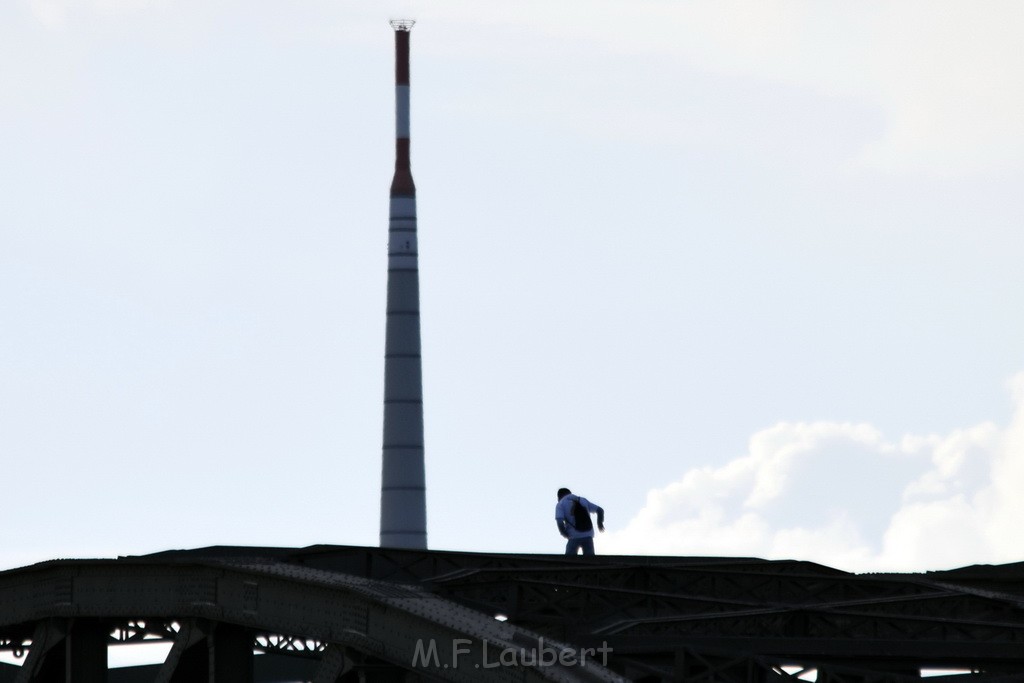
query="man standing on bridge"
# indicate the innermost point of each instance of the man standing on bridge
(572, 515)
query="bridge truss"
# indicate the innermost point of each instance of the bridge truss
(341, 613)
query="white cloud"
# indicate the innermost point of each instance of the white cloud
(844, 495)
(941, 82)
(57, 13)
(952, 87)
(945, 77)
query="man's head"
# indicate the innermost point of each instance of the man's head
(562, 493)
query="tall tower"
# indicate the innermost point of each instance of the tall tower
(403, 500)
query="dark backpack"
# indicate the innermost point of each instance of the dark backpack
(581, 516)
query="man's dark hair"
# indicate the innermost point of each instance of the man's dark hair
(562, 493)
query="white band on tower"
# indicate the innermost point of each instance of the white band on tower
(401, 111)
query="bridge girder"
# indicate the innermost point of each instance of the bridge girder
(337, 611)
(220, 611)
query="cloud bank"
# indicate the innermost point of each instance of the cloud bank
(942, 77)
(845, 495)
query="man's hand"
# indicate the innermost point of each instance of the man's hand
(600, 527)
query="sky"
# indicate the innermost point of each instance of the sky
(746, 274)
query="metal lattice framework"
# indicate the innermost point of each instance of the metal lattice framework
(338, 613)
(402, 24)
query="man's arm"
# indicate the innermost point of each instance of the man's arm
(600, 516)
(561, 528)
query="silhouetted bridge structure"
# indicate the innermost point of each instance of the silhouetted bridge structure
(340, 613)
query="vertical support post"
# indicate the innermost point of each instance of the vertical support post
(87, 651)
(332, 665)
(403, 503)
(232, 654)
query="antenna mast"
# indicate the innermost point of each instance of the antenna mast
(403, 501)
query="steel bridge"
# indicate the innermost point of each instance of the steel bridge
(341, 613)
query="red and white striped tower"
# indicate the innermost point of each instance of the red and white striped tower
(403, 501)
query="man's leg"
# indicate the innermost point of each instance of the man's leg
(587, 544)
(572, 546)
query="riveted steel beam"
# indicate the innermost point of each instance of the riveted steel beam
(188, 659)
(306, 603)
(395, 624)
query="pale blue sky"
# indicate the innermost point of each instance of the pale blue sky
(667, 248)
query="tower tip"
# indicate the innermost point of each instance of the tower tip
(402, 24)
